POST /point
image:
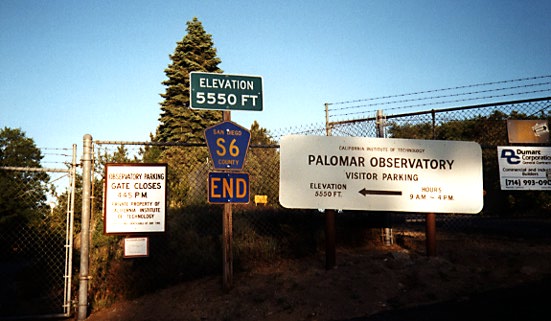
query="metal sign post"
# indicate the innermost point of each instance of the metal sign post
(228, 144)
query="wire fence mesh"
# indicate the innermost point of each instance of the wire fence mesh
(33, 250)
(35, 247)
(264, 231)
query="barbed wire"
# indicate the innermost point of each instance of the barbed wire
(438, 90)
(442, 102)
(55, 156)
(377, 103)
(445, 96)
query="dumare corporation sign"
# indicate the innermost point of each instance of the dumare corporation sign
(357, 173)
(524, 167)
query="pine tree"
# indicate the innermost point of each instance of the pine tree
(179, 123)
(23, 194)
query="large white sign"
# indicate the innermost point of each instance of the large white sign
(135, 198)
(524, 168)
(356, 173)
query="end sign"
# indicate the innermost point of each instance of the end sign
(228, 187)
(225, 92)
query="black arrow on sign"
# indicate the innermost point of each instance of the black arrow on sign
(365, 192)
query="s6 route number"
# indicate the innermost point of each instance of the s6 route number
(222, 151)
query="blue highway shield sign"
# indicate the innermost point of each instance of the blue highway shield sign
(228, 144)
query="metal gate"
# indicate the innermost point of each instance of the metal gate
(36, 241)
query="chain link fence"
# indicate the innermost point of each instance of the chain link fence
(485, 124)
(36, 242)
(263, 230)
(38, 210)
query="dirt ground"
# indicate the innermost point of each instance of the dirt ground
(366, 281)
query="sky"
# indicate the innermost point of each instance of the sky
(70, 68)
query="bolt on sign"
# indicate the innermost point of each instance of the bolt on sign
(135, 198)
(225, 92)
(358, 173)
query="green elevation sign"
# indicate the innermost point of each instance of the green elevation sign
(225, 92)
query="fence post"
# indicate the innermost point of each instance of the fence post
(430, 218)
(380, 122)
(327, 124)
(70, 233)
(433, 114)
(330, 243)
(85, 227)
(387, 228)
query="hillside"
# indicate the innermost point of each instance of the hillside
(366, 281)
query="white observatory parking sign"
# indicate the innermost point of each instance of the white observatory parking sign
(357, 173)
(135, 198)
